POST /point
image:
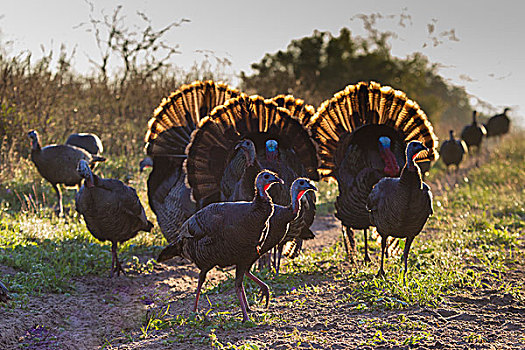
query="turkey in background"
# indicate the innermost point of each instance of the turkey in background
(216, 161)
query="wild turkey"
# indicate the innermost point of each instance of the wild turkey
(362, 133)
(474, 133)
(4, 293)
(400, 207)
(89, 142)
(499, 124)
(239, 175)
(58, 164)
(282, 145)
(226, 234)
(452, 151)
(112, 211)
(168, 135)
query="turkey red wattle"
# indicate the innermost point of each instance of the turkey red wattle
(391, 167)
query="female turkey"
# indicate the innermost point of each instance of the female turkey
(240, 173)
(400, 207)
(226, 234)
(282, 145)
(168, 135)
(499, 124)
(58, 164)
(4, 293)
(88, 141)
(452, 151)
(362, 133)
(474, 133)
(112, 211)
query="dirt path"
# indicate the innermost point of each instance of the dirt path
(104, 312)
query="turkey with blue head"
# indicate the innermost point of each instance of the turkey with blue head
(362, 133)
(218, 162)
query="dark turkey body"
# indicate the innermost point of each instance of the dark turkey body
(451, 152)
(58, 163)
(400, 207)
(89, 142)
(280, 223)
(358, 172)
(169, 198)
(225, 234)
(112, 211)
(473, 135)
(498, 125)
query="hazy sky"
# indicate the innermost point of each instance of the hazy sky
(488, 59)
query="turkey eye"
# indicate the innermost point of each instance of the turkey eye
(266, 176)
(301, 183)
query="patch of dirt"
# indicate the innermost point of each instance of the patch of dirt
(104, 311)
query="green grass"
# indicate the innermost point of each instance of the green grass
(469, 243)
(46, 251)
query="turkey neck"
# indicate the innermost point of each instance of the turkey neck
(295, 206)
(36, 147)
(261, 198)
(411, 175)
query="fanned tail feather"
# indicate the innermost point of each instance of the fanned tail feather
(170, 128)
(365, 104)
(297, 108)
(243, 117)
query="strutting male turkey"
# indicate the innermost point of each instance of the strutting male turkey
(226, 234)
(282, 144)
(112, 211)
(362, 133)
(399, 207)
(169, 132)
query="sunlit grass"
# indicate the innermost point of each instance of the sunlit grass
(470, 243)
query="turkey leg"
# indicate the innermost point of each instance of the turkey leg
(59, 197)
(278, 260)
(239, 275)
(367, 257)
(381, 271)
(115, 265)
(202, 278)
(408, 243)
(265, 291)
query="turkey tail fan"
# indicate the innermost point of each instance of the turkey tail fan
(297, 107)
(170, 128)
(338, 121)
(243, 117)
